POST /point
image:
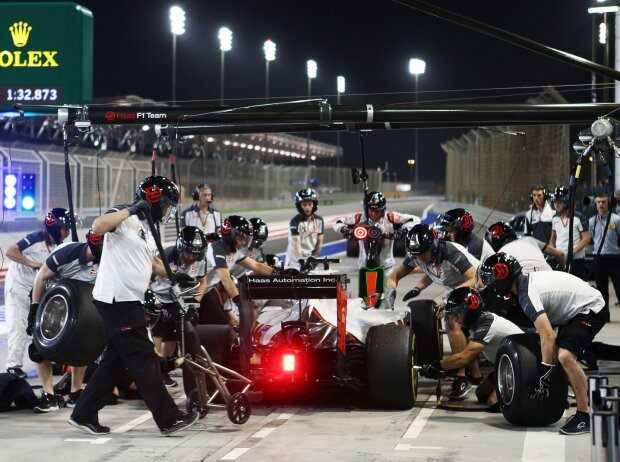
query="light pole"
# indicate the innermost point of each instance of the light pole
(416, 67)
(269, 47)
(311, 71)
(225, 36)
(341, 87)
(177, 27)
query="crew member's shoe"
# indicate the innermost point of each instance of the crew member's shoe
(89, 427)
(183, 421)
(576, 424)
(46, 404)
(475, 381)
(168, 380)
(460, 388)
(73, 397)
(17, 372)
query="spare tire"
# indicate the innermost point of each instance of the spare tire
(516, 376)
(425, 326)
(390, 376)
(68, 328)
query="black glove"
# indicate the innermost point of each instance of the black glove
(32, 318)
(541, 392)
(346, 232)
(141, 206)
(391, 297)
(432, 371)
(183, 278)
(412, 294)
(400, 233)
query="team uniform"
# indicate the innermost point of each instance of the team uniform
(208, 223)
(490, 330)
(560, 225)
(308, 230)
(478, 247)
(17, 286)
(449, 267)
(528, 251)
(212, 305)
(568, 302)
(387, 224)
(125, 274)
(607, 263)
(538, 222)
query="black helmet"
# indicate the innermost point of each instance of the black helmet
(260, 231)
(307, 194)
(95, 243)
(233, 226)
(465, 303)
(193, 241)
(561, 193)
(498, 272)
(374, 200)
(274, 261)
(163, 195)
(151, 305)
(499, 234)
(55, 220)
(458, 220)
(420, 239)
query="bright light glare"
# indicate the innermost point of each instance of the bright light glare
(311, 68)
(288, 363)
(145, 128)
(9, 202)
(27, 203)
(225, 36)
(177, 20)
(340, 83)
(603, 9)
(10, 180)
(602, 33)
(417, 66)
(270, 50)
(10, 191)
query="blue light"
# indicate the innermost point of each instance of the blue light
(27, 203)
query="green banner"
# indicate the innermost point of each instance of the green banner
(46, 53)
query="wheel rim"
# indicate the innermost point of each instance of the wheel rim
(239, 409)
(505, 379)
(54, 317)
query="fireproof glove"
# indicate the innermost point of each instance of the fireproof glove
(432, 371)
(391, 297)
(346, 232)
(541, 392)
(400, 233)
(412, 294)
(141, 206)
(32, 317)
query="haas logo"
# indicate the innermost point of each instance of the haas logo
(497, 231)
(153, 194)
(500, 271)
(50, 219)
(94, 239)
(110, 115)
(467, 221)
(226, 227)
(473, 301)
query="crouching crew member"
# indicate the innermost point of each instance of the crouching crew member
(222, 255)
(127, 261)
(553, 298)
(487, 330)
(449, 265)
(78, 261)
(27, 256)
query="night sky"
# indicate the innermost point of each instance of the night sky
(369, 42)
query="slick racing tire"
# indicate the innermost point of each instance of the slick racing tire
(516, 376)
(218, 341)
(353, 248)
(399, 248)
(68, 328)
(390, 376)
(425, 326)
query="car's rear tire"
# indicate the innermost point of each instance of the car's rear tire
(353, 248)
(425, 325)
(516, 376)
(399, 248)
(390, 376)
(68, 328)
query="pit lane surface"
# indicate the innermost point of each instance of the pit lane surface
(322, 424)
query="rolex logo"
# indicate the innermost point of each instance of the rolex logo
(20, 32)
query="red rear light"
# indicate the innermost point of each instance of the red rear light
(288, 363)
(360, 233)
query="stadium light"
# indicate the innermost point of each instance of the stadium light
(225, 37)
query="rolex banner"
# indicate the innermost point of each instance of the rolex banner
(46, 53)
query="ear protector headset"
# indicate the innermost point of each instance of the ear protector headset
(196, 193)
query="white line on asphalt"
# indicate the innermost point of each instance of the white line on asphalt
(417, 425)
(88, 440)
(407, 447)
(100, 440)
(543, 444)
(133, 423)
(235, 454)
(263, 432)
(284, 416)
